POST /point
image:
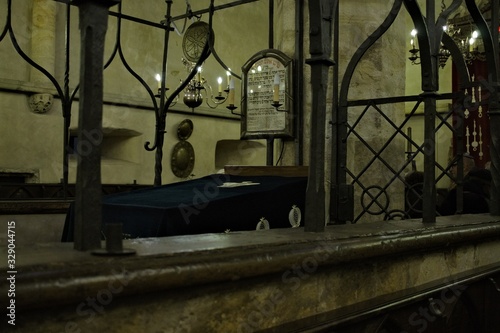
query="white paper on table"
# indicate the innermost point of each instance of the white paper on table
(238, 184)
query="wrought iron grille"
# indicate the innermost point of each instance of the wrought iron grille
(396, 190)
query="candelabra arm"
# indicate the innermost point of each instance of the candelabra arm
(277, 105)
(213, 101)
(231, 108)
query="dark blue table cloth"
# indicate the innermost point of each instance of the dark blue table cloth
(204, 205)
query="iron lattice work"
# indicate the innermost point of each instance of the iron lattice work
(375, 176)
(400, 194)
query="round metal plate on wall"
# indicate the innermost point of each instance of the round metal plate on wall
(194, 40)
(185, 129)
(182, 159)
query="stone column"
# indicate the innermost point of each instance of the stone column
(43, 46)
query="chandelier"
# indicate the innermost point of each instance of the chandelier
(198, 90)
(466, 37)
(469, 44)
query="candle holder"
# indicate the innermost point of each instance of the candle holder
(414, 56)
(231, 108)
(198, 90)
(276, 105)
(158, 94)
(219, 97)
(114, 242)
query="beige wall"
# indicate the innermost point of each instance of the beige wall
(33, 141)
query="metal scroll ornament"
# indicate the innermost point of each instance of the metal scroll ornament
(182, 160)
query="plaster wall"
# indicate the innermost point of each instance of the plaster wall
(30, 142)
(34, 141)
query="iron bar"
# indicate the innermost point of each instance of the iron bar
(93, 16)
(270, 140)
(138, 20)
(320, 62)
(299, 82)
(271, 24)
(216, 8)
(161, 122)
(66, 103)
(426, 28)
(162, 111)
(490, 39)
(429, 188)
(125, 17)
(270, 151)
(397, 99)
(211, 45)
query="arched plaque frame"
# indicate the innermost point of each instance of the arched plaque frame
(259, 117)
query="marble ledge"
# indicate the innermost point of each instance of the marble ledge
(58, 274)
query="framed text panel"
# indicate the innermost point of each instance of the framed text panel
(267, 103)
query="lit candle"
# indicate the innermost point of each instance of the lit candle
(276, 88)
(158, 78)
(230, 98)
(412, 40)
(471, 44)
(219, 80)
(199, 74)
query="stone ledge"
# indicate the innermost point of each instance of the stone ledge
(34, 206)
(56, 274)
